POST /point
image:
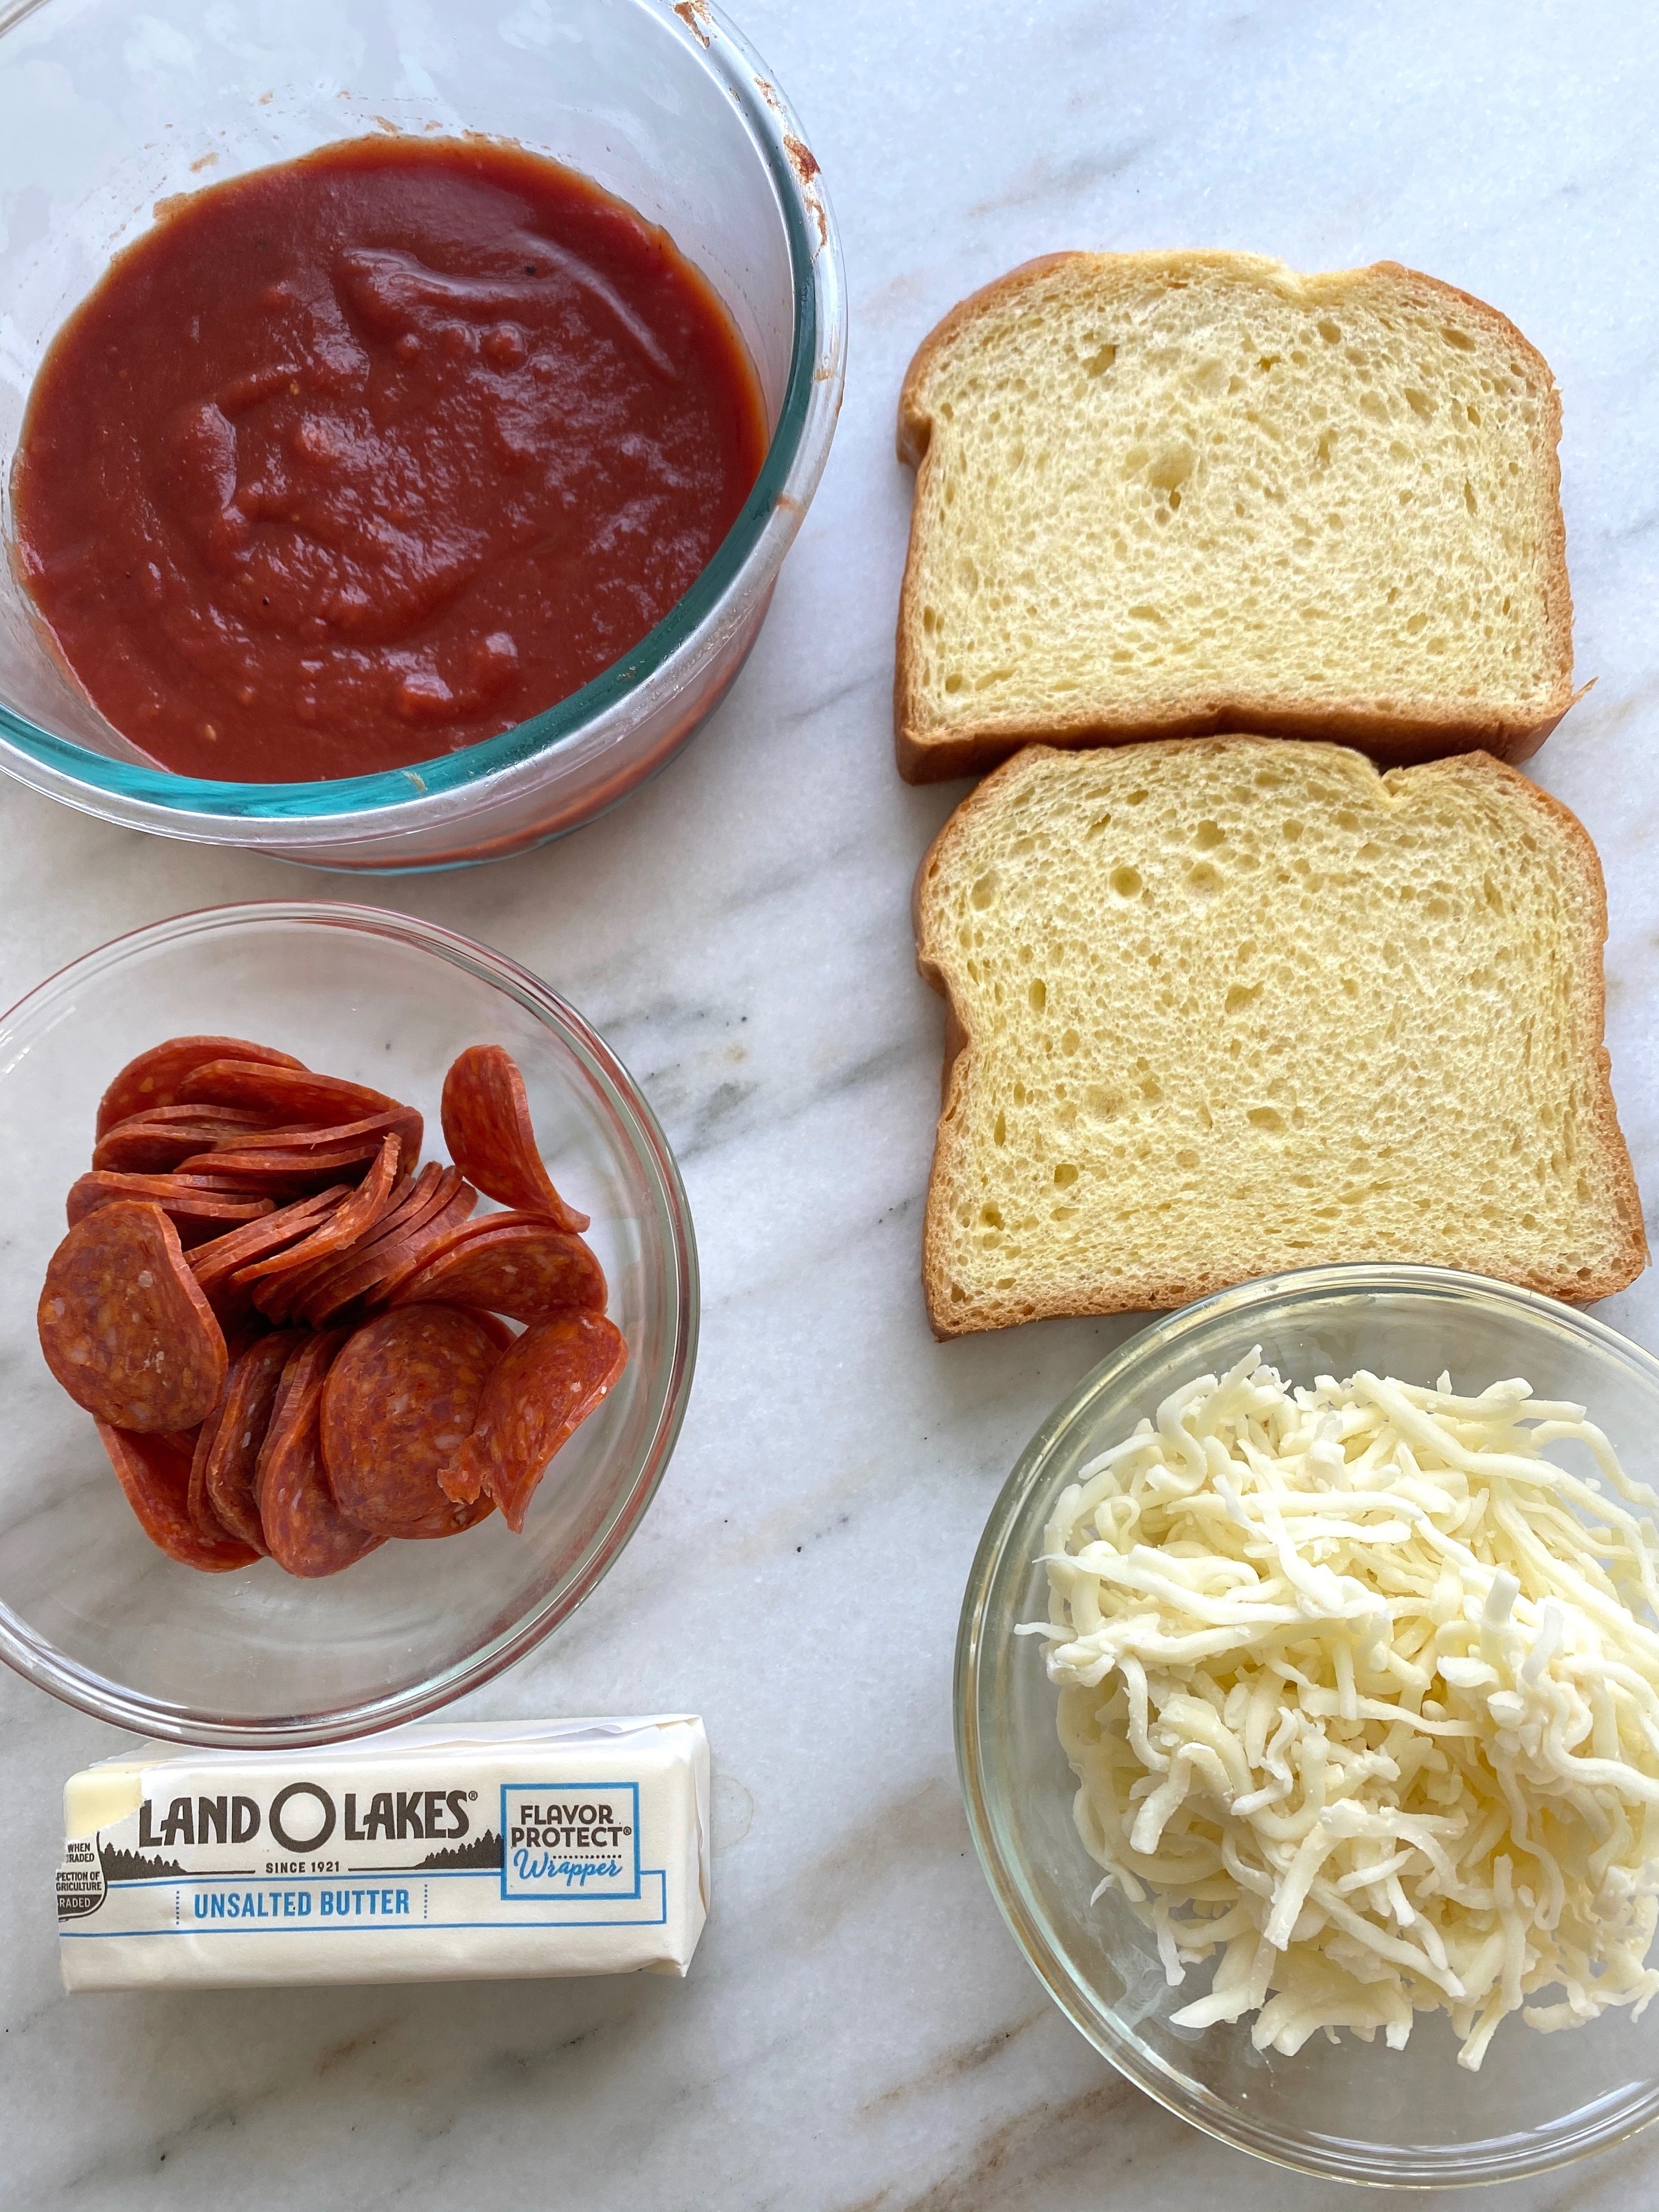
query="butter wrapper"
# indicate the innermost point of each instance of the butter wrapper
(432, 1853)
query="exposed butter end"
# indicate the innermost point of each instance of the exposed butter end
(101, 1796)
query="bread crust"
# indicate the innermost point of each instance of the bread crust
(1399, 732)
(1159, 1292)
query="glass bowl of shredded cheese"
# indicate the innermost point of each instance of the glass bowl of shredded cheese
(1308, 1721)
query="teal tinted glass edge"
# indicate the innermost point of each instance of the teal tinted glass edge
(544, 732)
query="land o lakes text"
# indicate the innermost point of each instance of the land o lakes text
(304, 1817)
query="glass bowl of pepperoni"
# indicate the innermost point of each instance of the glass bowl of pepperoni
(357, 574)
(163, 1302)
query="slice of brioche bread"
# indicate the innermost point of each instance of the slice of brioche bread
(1226, 1006)
(1168, 494)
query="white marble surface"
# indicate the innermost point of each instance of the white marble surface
(859, 2032)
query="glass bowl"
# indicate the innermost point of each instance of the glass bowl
(104, 113)
(1350, 2112)
(90, 1609)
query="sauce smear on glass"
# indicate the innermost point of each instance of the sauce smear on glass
(359, 460)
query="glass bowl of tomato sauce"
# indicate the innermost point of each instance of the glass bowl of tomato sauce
(113, 129)
(90, 1609)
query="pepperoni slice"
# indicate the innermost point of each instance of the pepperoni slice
(508, 1264)
(154, 1077)
(293, 1284)
(292, 1095)
(411, 1200)
(306, 1137)
(124, 1326)
(298, 1341)
(156, 1476)
(202, 1515)
(216, 1263)
(153, 1144)
(398, 1403)
(227, 1456)
(395, 1256)
(224, 1186)
(291, 1172)
(328, 1292)
(194, 1213)
(414, 1198)
(204, 1519)
(543, 1388)
(423, 1239)
(488, 1129)
(343, 1226)
(411, 1185)
(306, 1533)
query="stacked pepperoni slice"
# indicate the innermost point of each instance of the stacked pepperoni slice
(297, 1341)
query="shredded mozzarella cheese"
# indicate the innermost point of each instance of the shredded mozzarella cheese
(1361, 1693)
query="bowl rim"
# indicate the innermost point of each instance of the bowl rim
(392, 803)
(1509, 2161)
(95, 1693)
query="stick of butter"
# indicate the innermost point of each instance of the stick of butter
(443, 1852)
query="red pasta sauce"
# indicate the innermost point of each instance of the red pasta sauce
(362, 458)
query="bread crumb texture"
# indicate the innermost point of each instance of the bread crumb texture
(1230, 1006)
(1155, 487)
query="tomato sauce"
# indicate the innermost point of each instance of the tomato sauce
(355, 461)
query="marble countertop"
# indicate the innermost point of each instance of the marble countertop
(858, 2031)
